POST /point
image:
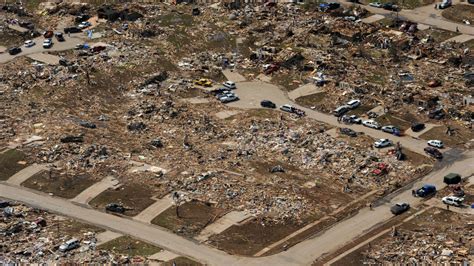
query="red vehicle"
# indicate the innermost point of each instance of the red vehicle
(382, 169)
(48, 34)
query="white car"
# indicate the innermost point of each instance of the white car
(29, 43)
(382, 143)
(229, 84)
(84, 24)
(229, 98)
(452, 200)
(376, 4)
(287, 108)
(371, 124)
(47, 43)
(69, 245)
(435, 143)
(353, 104)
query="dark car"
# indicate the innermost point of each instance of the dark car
(425, 191)
(333, 5)
(348, 132)
(14, 50)
(72, 30)
(115, 207)
(399, 208)
(390, 6)
(437, 114)
(433, 152)
(416, 127)
(59, 37)
(268, 104)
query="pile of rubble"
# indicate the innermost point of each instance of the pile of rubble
(448, 243)
(30, 235)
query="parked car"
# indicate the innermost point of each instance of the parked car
(341, 110)
(382, 143)
(229, 98)
(390, 129)
(48, 34)
(84, 24)
(59, 37)
(437, 114)
(355, 119)
(399, 208)
(390, 6)
(268, 104)
(371, 124)
(229, 84)
(14, 50)
(376, 4)
(224, 93)
(453, 200)
(433, 152)
(425, 191)
(72, 30)
(203, 82)
(287, 108)
(452, 179)
(115, 207)
(348, 132)
(29, 43)
(417, 127)
(48, 43)
(445, 4)
(353, 104)
(69, 245)
(333, 5)
(435, 143)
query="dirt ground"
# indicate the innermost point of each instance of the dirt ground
(251, 237)
(66, 186)
(458, 13)
(311, 100)
(11, 162)
(193, 217)
(135, 197)
(439, 35)
(130, 246)
(458, 139)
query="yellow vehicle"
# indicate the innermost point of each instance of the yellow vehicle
(203, 82)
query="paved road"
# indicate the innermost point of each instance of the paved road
(68, 44)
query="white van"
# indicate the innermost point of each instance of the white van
(229, 84)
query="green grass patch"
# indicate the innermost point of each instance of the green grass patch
(9, 163)
(129, 246)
